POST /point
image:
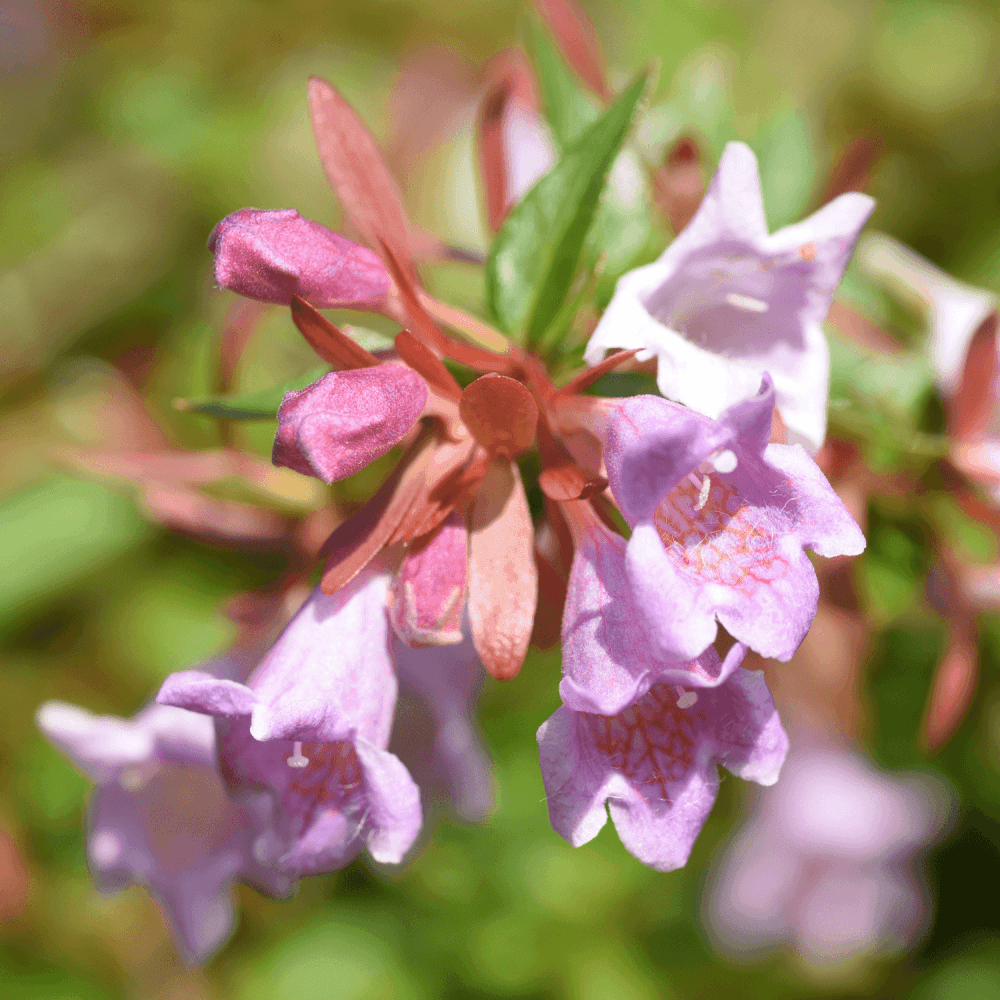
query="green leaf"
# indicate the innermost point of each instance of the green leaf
(787, 168)
(56, 534)
(567, 108)
(535, 256)
(261, 405)
(880, 400)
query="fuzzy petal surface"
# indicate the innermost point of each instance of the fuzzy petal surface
(611, 657)
(309, 747)
(273, 255)
(427, 596)
(343, 422)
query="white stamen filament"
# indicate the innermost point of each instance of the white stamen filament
(297, 760)
(685, 698)
(706, 486)
(747, 303)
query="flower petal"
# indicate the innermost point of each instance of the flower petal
(394, 816)
(201, 692)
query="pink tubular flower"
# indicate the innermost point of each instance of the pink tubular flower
(160, 816)
(273, 255)
(653, 765)
(828, 863)
(309, 732)
(610, 657)
(346, 420)
(727, 301)
(720, 520)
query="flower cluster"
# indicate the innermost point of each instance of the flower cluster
(669, 538)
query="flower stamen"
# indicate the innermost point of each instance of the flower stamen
(685, 699)
(746, 303)
(297, 760)
(706, 486)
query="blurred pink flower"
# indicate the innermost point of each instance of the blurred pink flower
(160, 816)
(440, 742)
(828, 862)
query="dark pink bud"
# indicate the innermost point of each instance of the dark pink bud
(427, 597)
(273, 255)
(338, 425)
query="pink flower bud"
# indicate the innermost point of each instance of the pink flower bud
(338, 425)
(273, 255)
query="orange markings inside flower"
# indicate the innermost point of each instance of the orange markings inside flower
(501, 414)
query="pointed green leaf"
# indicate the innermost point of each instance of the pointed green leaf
(567, 108)
(536, 255)
(261, 405)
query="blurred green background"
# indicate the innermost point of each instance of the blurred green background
(128, 128)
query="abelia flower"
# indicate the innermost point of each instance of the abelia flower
(308, 733)
(610, 654)
(720, 520)
(653, 766)
(436, 734)
(271, 255)
(727, 301)
(346, 420)
(160, 816)
(828, 863)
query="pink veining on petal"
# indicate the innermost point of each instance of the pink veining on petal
(715, 536)
(651, 742)
(273, 255)
(338, 425)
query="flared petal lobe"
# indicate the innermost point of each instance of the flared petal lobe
(273, 255)
(653, 766)
(611, 658)
(720, 522)
(342, 423)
